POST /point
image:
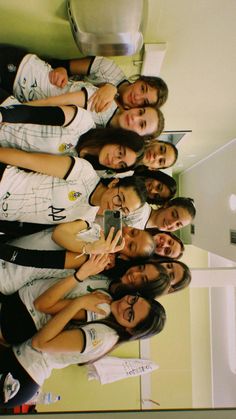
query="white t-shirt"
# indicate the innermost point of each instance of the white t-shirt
(139, 217)
(32, 83)
(33, 289)
(45, 138)
(99, 339)
(13, 277)
(42, 240)
(37, 198)
(105, 70)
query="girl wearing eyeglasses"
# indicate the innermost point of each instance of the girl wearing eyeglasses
(67, 338)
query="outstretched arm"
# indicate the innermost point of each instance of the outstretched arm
(46, 164)
(52, 337)
(48, 300)
(65, 235)
(70, 98)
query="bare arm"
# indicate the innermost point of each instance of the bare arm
(59, 76)
(60, 305)
(74, 260)
(70, 98)
(65, 235)
(46, 164)
(52, 337)
(50, 300)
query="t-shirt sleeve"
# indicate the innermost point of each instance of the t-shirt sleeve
(105, 70)
(81, 123)
(99, 339)
(79, 167)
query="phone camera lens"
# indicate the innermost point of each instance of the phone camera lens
(117, 214)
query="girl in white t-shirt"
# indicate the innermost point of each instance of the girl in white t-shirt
(21, 317)
(63, 130)
(30, 78)
(64, 189)
(63, 342)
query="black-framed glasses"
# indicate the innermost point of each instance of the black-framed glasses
(129, 311)
(118, 203)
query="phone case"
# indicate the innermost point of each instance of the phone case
(112, 219)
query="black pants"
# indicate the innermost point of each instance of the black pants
(28, 387)
(10, 59)
(17, 325)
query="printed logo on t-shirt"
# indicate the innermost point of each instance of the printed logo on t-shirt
(73, 195)
(94, 339)
(64, 147)
(55, 213)
(5, 203)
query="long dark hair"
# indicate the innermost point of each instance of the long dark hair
(154, 231)
(167, 180)
(149, 289)
(150, 326)
(100, 137)
(186, 278)
(182, 202)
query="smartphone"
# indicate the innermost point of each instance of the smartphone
(112, 219)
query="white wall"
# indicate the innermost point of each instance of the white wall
(210, 183)
(200, 68)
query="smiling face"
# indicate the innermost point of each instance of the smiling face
(156, 189)
(158, 155)
(144, 121)
(138, 276)
(137, 242)
(130, 310)
(175, 272)
(119, 198)
(138, 94)
(116, 156)
(171, 218)
(167, 246)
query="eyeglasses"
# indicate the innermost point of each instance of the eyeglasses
(118, 202)
(129, 312)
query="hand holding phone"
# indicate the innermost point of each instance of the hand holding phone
(112, 219)
(111, 240)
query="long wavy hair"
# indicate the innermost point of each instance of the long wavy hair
(167, 180)
(97, 138)
(155, 231)
(146, 328)
(186, 278)
(159, 286)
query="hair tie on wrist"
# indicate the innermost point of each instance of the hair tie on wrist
(84, 252)
(76, 277)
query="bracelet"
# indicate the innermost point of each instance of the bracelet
(76, 277)
(84, 252)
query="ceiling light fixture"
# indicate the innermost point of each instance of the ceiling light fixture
(232, 202)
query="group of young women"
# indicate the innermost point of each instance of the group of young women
(70, 149)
